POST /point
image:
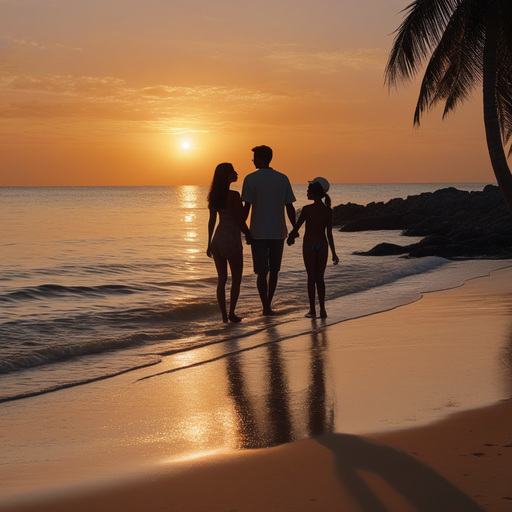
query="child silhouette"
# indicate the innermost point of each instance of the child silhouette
(315, 248)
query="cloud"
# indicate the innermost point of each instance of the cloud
(113, 105)
(330, 62)
(99, 107)
(32, 93)
(34, 44)
(61, 84)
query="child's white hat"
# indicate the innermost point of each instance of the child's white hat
(322, 181)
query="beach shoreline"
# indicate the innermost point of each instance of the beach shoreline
(427, 391)
(461, 463)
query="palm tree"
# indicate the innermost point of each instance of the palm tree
(467, 42)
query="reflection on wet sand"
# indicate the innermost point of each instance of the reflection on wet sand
(247, 424)
(321, 410)
(268, 413)
(278, 399)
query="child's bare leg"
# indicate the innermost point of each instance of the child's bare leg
(320, 282)
(311, 296)
(320, 286)
(309, 257)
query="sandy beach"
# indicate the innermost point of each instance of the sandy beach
(418, 419)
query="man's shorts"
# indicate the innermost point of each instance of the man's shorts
(267, 255)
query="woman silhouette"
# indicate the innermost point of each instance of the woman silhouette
(226, 244)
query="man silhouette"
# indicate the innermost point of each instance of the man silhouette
(269, 193)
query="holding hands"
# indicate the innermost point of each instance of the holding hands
(292, 236)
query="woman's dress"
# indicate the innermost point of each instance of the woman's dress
(227, 240)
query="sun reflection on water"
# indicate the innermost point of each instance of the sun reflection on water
(189, 197)
(190, 236)
(190, 217)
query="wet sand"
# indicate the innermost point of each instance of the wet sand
(397, 404)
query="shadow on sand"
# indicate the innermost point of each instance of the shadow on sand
(425, 489)
(270, 419)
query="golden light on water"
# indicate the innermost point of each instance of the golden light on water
(188, 196)
(197, 429)
(186, 358)
(188, 199)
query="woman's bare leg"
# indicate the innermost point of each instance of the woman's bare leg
(221, 265)
(236, 265)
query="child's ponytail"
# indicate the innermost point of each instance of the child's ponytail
(327, 200)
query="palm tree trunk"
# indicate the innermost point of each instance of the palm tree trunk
(492, 125)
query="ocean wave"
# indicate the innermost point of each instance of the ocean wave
(182, 310)
(48, 291)
(365, 276)
(414, 267)
(55, 353)
(98, 269)
(171, 336)
(95, 333)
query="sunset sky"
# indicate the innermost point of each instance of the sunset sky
(108, 92)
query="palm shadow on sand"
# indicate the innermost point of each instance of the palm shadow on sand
(419, 484)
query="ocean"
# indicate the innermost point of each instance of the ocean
(97, 281)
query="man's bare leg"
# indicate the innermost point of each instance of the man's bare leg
(261, 283)
(272, 284)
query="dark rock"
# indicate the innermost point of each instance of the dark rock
(344, 213)
(434, 240)
(455, 223)
(412, 220)
(373, 223)
(421, 252)
(385, 249)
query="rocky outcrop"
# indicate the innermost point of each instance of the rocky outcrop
(454, 223)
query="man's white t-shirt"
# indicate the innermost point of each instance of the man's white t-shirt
(269, 192)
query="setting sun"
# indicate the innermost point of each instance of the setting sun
(173, 90)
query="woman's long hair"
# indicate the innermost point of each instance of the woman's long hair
(218, 194)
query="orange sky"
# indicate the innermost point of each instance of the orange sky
(106, 92)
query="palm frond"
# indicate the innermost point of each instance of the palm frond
(456, 64)
(416, 37)
(450, 34)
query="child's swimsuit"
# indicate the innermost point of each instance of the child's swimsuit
(317, 247)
